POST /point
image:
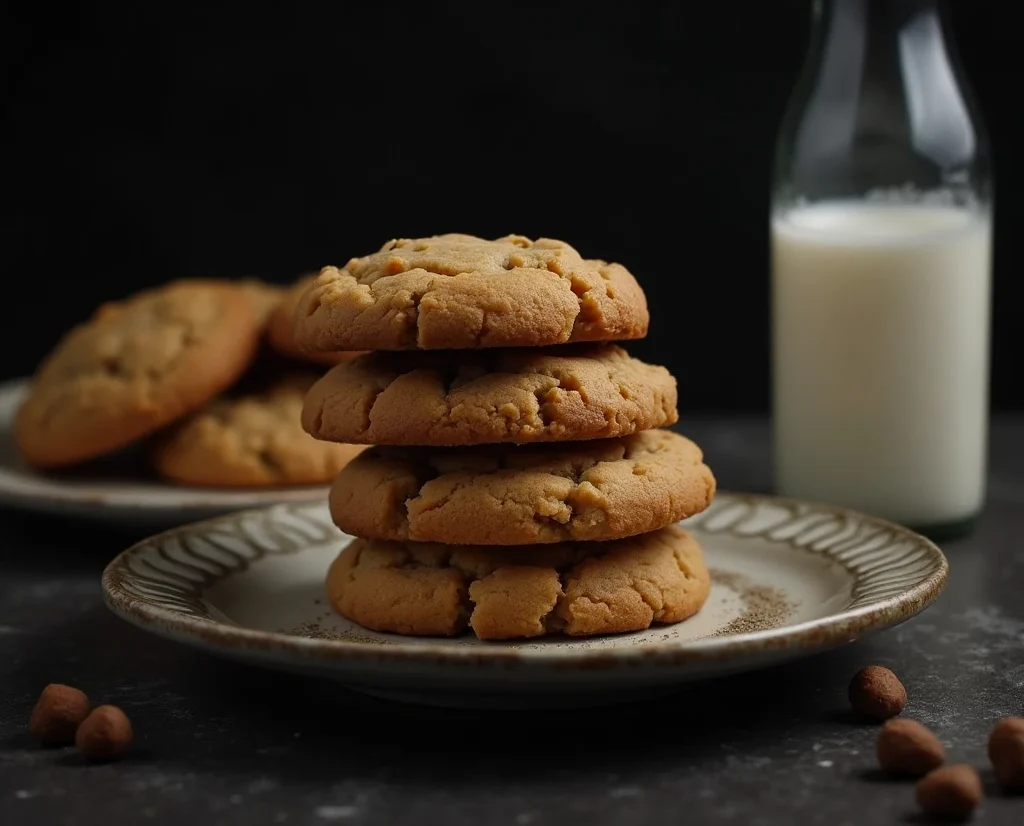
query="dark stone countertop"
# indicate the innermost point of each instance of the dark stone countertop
(219, 743)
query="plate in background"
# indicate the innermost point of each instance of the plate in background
(119, 490)
(789, 579)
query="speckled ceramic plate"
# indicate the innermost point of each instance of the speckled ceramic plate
(119, 490)
(789, 579)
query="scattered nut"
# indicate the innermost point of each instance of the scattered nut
(907, 747)
(1006, 751)
(58, 713)
(950, 792)
(877, 693)
(105, 734)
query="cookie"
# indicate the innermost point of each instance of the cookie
(575, 588)
(508, 495)
(264, 297)
(134, 367)
(252, 440)
(572, 392)
(458, 292)
(281, 328)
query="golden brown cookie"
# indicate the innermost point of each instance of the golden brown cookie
(507, 495)
(281, 328)
(458, 291)
(134, 367)
(567, 393)
(264, 297)
(250, 440)
(574, 588)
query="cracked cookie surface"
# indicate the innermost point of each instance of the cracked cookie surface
(134, 367)
(566, 393)
(459, 291)
(576, 588)
(250, 440)
(509, 495)
(281, 327)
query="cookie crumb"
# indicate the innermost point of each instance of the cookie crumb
(951, 792)
(105, 733)
(909, 748)
(58, 713)
(1006, 752)
(875, 692)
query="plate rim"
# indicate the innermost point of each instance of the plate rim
(193, 499)
(822, 632)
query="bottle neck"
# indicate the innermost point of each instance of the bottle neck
(881, 21)
(881, 98)
(867, 49)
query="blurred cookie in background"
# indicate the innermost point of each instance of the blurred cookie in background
(250, 439)
(136, 366)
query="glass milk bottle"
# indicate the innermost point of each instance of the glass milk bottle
(881, 268)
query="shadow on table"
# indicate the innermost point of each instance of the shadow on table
(337, 727)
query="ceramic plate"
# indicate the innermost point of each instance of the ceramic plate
(789, 579)
(119, 490)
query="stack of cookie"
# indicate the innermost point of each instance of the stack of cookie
(183, 368)
(520, 484)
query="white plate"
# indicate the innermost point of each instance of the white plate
(119, 490)
(789, 579)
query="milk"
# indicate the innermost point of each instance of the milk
(881, 358)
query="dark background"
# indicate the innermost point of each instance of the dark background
(149, 141)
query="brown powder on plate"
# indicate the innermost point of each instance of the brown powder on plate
(763, 607)
(315, 631)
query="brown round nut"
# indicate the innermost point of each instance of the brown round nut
(59, 711)
(876, 692)
(1006, 752)
(950, 792)
(907, 747)
(105, 734)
